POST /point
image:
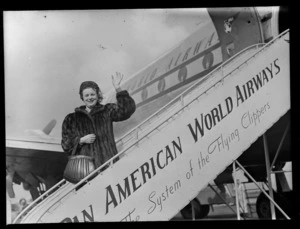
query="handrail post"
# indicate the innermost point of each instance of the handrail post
(137, 133)
(236, 192)
(193, 211)
(222, 73)
(269, 175)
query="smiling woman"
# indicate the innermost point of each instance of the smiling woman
(90, 94)
(89, 97)
(89, 130)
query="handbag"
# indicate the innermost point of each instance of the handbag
(78, 167)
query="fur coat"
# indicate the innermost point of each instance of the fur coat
(98, 121)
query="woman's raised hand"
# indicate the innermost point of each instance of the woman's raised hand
(116, 80)
(88, 139)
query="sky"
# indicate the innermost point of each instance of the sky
(47, 54)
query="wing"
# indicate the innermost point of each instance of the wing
(34, 164)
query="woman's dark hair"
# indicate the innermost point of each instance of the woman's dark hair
(90, 84)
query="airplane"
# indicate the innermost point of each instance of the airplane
(229, 30)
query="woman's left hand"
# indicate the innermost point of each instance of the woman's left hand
(116, 80)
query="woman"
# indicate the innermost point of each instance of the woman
(89, 130)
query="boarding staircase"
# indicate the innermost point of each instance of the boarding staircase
(160, 193)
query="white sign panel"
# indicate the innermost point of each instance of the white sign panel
(169, 168)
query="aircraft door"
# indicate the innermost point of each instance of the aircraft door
(237, 28)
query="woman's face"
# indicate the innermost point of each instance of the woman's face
(90, 97)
